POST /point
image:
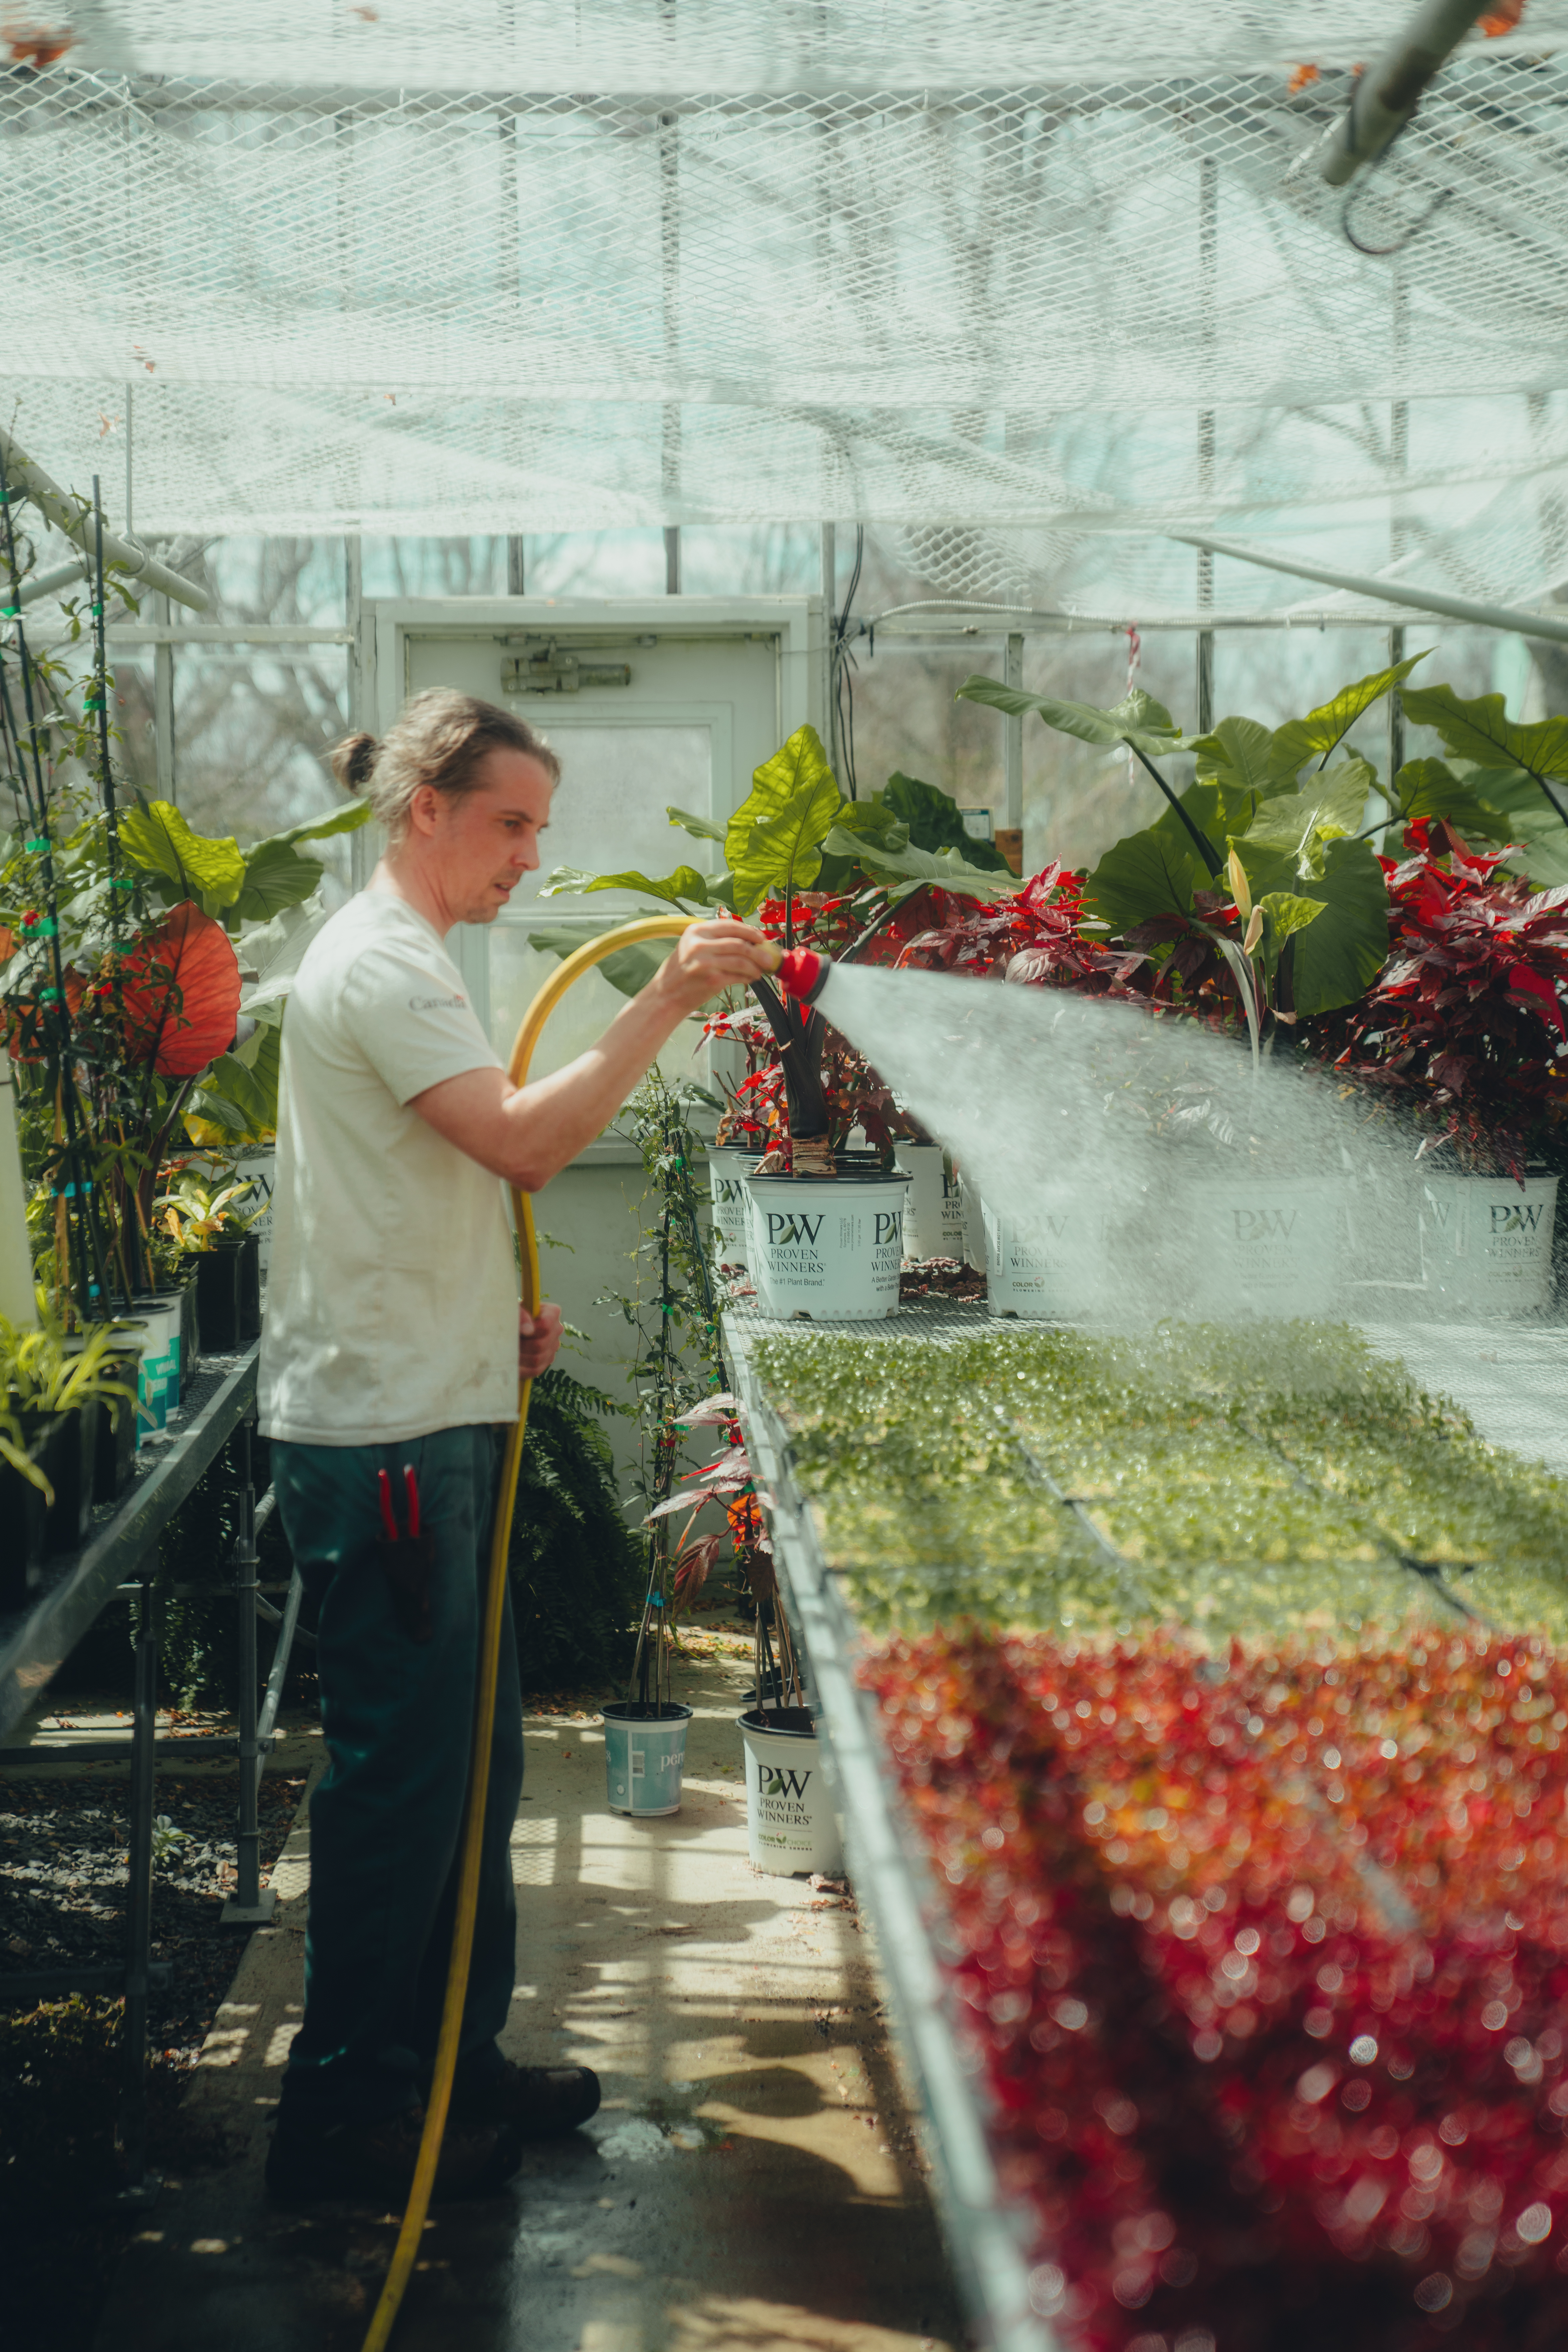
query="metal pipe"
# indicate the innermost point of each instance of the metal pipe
(279, 1675)
(1388, 94)
(1013, 740)
(1388, 592)
(45, 584)
(67, 515)
(138, 1894)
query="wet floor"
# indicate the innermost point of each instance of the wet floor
(752, 2177)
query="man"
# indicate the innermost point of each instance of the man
(392, 1342)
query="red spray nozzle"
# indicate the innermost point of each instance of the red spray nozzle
(801, 972)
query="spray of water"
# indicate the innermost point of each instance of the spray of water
(1146, 1160)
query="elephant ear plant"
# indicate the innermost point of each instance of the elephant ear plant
(1260, 876)
(796, 833)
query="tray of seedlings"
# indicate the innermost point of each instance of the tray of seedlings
(1198, 1706)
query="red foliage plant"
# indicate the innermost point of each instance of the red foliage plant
(1034, 938)
(1265, 1959)
(1467, 1012)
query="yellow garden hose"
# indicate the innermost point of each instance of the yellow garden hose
(653, 927)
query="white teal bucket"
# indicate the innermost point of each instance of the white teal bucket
(934, 1221)
(158, 1374)
(1486, 1242)
(730, 1204)
(1263, 1244)
(644, 1755)
(791, 1826)
(827, 1247)
(1052, 1261)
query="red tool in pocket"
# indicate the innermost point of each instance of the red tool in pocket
(408, 1559)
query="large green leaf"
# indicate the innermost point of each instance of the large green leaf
(1322, 729)
(1481, 729)
(1137, 719)
(800, 766)
(276, 876)
(1154, 872)
(948, 868)
(158, 839)
(1341, 954)
(346, 818)
(1529, 818)
(1430, 788)
(700, 828)
(673, 889)
(1334, 803)
(1287, 915)
(1242, 757)
(935, 822)
(785, 853)
(873, 820)
(246, 1086)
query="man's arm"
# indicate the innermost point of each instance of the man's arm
(528, 1134)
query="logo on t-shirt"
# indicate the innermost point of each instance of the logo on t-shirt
(436, 1003)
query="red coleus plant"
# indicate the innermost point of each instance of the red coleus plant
(1266, 1964)
(853, 1093)
(729, 1479)
(1469, 1013)
(1035, 938)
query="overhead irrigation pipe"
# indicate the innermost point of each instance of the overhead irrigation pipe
(1388, 94)
(1387, 591)
(575, 968)
(69, 515)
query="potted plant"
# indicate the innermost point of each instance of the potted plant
(210, 1223)
(1465, 1032)
(796, 837)
(54, 1393)
(791, 1826)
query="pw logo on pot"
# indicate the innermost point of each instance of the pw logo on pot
(783, 1784)
(783, 1230)
(1264, 1224)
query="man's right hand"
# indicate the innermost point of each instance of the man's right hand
(713, 956)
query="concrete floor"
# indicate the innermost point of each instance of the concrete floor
(752, 2179)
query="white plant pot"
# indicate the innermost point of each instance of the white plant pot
(973, 1208)
(827, 1247)
(1486, 1242)
(933, 1224)
(791, 1826)
(260, 1169)
(731, 1205)
(1052, 1261)
(1263, 1246)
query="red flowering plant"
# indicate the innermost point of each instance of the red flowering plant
(1037, 937)
(1466, 1023)
(729, 1481)
(1264, 1961)
(864, 925)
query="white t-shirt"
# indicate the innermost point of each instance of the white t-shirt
(392, 1297)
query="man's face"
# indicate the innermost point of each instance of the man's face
(484, 841)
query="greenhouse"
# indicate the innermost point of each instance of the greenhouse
(784, 951)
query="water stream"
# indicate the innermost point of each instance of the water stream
(1148, 1154)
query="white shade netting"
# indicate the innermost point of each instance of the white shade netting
(1025, 284)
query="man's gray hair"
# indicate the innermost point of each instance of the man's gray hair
(439, 739)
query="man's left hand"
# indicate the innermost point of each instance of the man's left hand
(539, 1336)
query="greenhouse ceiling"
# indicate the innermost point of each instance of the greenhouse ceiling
(1033, 283)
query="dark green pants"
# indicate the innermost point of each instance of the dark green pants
(397, 1714)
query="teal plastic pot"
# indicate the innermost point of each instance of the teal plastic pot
(645, 1754)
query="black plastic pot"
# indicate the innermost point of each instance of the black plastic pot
(228, 1293)
(22, 1513)
(190, 1327)
(65, 1445)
